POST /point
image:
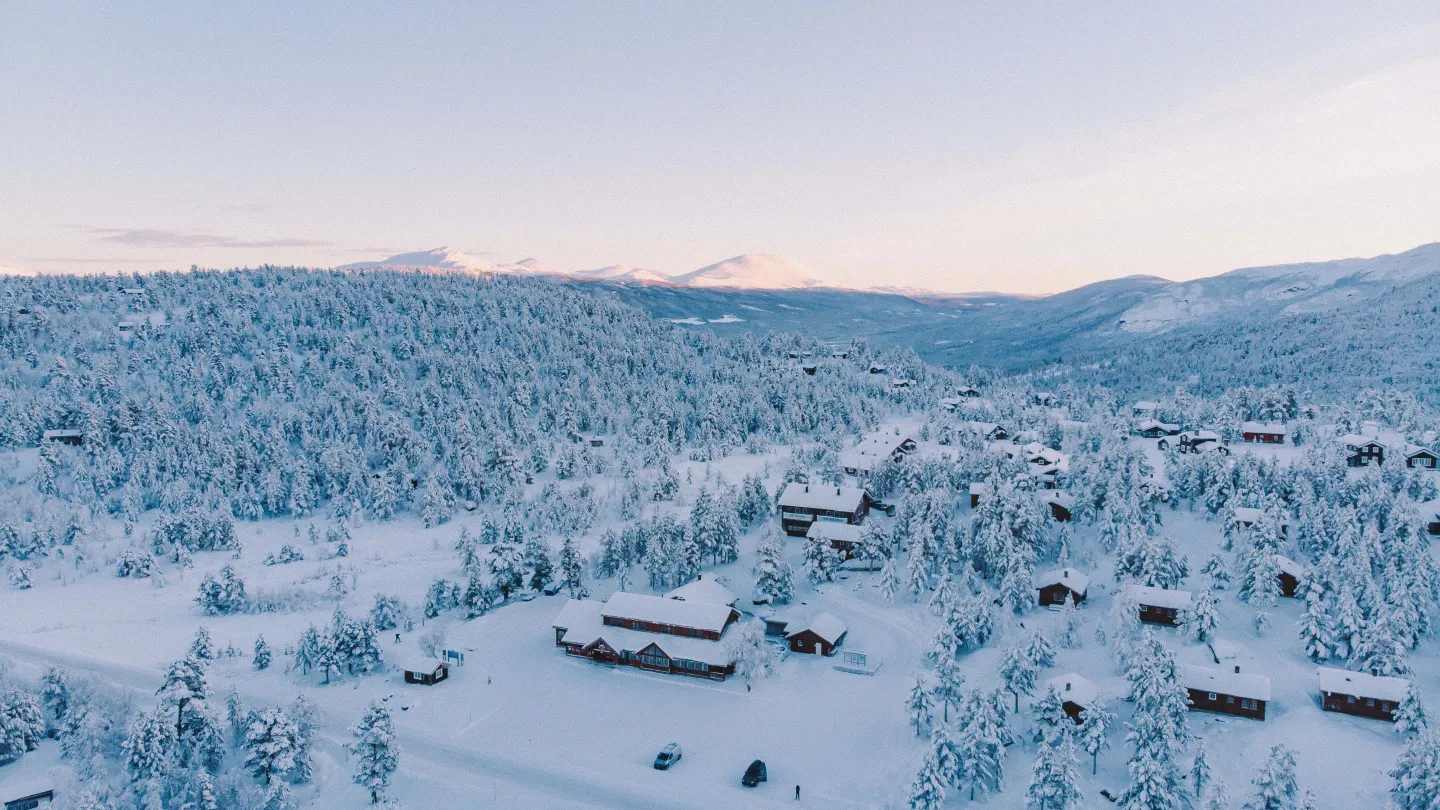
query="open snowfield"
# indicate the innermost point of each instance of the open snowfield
(522, 725)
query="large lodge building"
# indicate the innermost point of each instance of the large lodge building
(679, 636)
(803, 504)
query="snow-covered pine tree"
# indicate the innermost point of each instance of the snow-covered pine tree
(1203, 617)
(748, 650)
(1054, 783)
(1410, 715)
(1096, 720)
(927, 792)
(821, 561)
(889, 580)
(1417, 774)
(271, 744)
(376, 753)
(572, 570)
(1019, 672)
(1071, 637)
(537, 559)
(1050, 717)
(1275, 787)
(919, 706)
(982, 745)
(774, 580)
(262, 657)
(1200, 774)
(949, 684)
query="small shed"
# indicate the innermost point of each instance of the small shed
(1061, 584)
(426, 671)
(1291, 573)
(1077, 693)
(820, 636)
(1226, 691)
(1061, 505)
(977, 491)
(1361, 694)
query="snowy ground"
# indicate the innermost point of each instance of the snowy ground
(522, 725)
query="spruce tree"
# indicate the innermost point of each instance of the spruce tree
(271, 744)
(262, 656)
(918, 705)
(376, 752)
(1054, 781)
(1275, 787)
(774, 580)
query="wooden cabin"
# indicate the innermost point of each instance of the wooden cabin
(70, 436)
(977, 491)
(1061, 584)
(1195, 441)
(1362, 451)
(1263, 432)
(1421, 458)
(426, 671)
(1061, 505)
(1361, 694)
(1161, 605)
(1290, 576)
(1143, 409)
(803, 504)
(648, 632)
(862, 459)
(822, 635)
(967, 391)
(1226, 691)
(1077, 693)
(1153, 429)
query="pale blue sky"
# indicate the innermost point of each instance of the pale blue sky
(1015, 146)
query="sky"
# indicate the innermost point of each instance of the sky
(1014, 146)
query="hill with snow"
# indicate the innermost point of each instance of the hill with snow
(753, 271)
(450, 259)
(621, 273)
(1286, 288)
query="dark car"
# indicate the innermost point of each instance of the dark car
(669, 755)
(754, 775)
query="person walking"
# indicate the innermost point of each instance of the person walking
(797, 793)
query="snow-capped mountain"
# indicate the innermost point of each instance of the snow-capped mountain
(445, 258)
(753, 271)
(621, 272)
(1290, 288)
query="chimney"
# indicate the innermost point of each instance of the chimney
(837, 490)
(1237, 669)
(1067, 686)
(807, 488)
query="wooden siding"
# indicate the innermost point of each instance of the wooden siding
(1056, 594)
(1221, 703)
(1360, 707)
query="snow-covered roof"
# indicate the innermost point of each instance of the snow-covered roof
(421, 664)
(674, 612)
(1289, 566)
(583, 622)
(1360, 684)
(824, 625)
(62, 433)
(831, 530)
(1264, 427)
(1354, 441)
(980, 428)
(1201, 436)
(822, 496)
(1069, 577)
(1064, 499)
(1160, 597)
(1147, 424)
(1412, 450)
(1074, 688)
(1247, 514)
(979, 488)
(1225, 682)
(704, 589)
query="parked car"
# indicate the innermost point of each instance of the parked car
(754, 775)
(669, 755)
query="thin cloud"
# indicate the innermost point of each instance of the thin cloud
(160, 237)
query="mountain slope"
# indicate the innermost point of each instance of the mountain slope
(1291, 288)
(753, 271)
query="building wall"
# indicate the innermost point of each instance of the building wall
(1358, 706)
(1158, 615)
(1056, 595)
(1226, 704)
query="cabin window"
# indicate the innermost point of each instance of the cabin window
(1349, 698)
(1209, 695)
(1144, 609)
(1369, 702)
(1247, 704)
